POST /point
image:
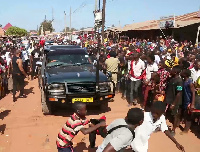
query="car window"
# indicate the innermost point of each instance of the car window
(69, 58)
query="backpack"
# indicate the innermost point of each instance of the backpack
(120, 126)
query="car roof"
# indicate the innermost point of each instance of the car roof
(54, 47)
(62, 51)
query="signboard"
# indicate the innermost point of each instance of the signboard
(166, 17)
(98, 17)
(167, 24)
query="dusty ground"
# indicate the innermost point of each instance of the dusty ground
(24, 128)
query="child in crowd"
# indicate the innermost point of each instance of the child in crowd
(73, 125)
(188, 98)
(173, 96)
(153, 120)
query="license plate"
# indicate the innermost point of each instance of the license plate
(82, 100)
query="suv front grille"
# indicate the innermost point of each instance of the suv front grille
(81, 88)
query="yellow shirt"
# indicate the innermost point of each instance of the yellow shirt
(112, 64)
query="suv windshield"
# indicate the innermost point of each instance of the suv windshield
(69, 58)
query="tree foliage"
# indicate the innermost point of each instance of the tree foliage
(47, 26)
(68, 30)
(16, 31)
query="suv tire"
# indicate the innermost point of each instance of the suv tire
(46, 108)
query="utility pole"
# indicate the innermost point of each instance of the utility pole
(70, 28)
(99, 5)
(65, 19)
(103, 19)
(95, 24)
(197, 39)
(95, 7)
(52, 17)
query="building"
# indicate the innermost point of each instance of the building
(183, 27)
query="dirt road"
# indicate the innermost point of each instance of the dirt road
(24, 128)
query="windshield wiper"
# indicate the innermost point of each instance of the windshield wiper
(55, 65)
(80, 64)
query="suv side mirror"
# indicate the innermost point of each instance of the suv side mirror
(109, 74)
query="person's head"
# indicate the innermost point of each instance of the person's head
(183, 63)
(192, 57)
(135, 117)
(157, 110)
(162, 64)
(80, 109)
(113, 54)
(155, 78)
(175, 71)
(173, 55)
(123, 53)
(101, 52)
(197, 65)
(150, 58)
(136, 56)
(186, 73)
(18, 52)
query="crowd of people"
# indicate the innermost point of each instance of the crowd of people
(18, 59)
(146, 71)
(163, 76)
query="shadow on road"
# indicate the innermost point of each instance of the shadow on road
(80, 147)
(2, 128)
(4, 114)
(67, 111)
(29, 91)
(195, 129)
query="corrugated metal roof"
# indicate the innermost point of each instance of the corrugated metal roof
(180, 21)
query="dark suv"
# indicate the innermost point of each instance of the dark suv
(68, 76)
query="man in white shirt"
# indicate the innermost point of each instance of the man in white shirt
(153, 120)
(195, 71)
(157, 57)
(151, 67)
(25, 59)
(137, 67)
(120, 133)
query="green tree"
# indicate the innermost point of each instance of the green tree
(47, 26)
(16, 31)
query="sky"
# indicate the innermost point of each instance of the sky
(30, 13)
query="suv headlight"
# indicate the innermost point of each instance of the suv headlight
(56, 87)
(105, 87)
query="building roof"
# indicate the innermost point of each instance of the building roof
(180, 21)
(7, 26)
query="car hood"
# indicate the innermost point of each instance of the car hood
(71, 74)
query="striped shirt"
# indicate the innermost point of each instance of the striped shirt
(70, 129)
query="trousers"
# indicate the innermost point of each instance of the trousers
(67, 149)
(92, 135)
(18, 80)
(134, 90)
